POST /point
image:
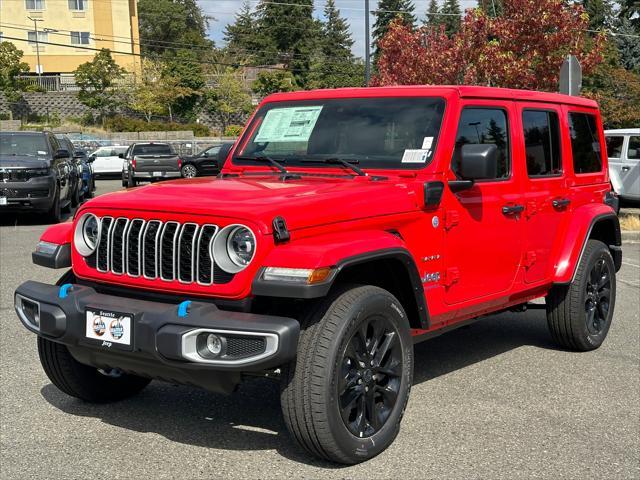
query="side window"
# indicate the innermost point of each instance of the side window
(634, 148)
(484, 126)
(542, 143)
(585, 143)
(55, 146)
(614, 146)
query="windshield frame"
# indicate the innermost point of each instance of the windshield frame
(252, 129)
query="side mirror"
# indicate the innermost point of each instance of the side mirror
(223, 153)
(91, 159)
(477, 162)
(62, 153)
(121, 155)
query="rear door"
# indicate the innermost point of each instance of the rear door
(615, 149)
(546, 198)
(483, 225)
(630, 168)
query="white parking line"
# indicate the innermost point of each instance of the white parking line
(631, 264)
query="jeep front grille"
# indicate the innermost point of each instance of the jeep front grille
(158, 250)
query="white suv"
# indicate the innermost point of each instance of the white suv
(623, 150)
(107, 161)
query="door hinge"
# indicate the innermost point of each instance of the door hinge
(451, 276)
(451, 219)
(530, 258)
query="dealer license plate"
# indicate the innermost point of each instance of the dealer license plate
(157, 174)
(3, 200)
(108, 327)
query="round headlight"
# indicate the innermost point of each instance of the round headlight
(87, 234)
(233, 248)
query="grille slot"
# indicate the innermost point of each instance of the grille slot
(241, 347)
(153, 249)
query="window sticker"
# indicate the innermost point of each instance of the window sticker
(427, 143)
(415, 156)
(41, 152)
(292, 124)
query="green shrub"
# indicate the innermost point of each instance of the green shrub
(233, 130)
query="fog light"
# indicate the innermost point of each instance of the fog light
(214, 344)
(28, 311)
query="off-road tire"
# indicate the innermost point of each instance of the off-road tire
(309, 389)
(567, 304)
(54, 214)
(82, 381)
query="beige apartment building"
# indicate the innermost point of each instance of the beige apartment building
(63, 33)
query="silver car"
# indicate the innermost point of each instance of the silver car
(623, 150)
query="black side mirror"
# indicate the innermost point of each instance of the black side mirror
(62, 153)
(91, 159)
(121, 155)
(223, 153)
(477, 162)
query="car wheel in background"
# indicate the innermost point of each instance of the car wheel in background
(131, 182)
(54, 214)
(189, 171)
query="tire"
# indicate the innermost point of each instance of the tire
(189, 171)
(312, 387)
(90, 189)
(579, 315)
(131, 182)
(54, 214)
(75, 196)
(82, 381)
(124, 180)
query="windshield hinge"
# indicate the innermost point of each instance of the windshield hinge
(280, 232)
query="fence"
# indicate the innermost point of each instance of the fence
(183, 147)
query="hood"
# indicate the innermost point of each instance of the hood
(309, 201)
(23, 161)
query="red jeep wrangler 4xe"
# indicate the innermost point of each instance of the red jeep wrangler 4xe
(345, 226)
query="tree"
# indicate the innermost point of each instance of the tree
(600, 13)
(96, 80)
(387, 12)
(228, 98)
(524, 48)
(617, 91)
(451, 16)
(630, 9)
(628, 45)
(186, 71)
(242, 35)
(492, 8)
(433, 19)
(272, 82)
(11, 65)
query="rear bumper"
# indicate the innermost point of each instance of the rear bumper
(162, 341)
(35, 194)
(151, 175)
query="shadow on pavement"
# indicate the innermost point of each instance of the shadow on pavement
(251, 419)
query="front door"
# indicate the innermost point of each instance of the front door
(546, 199)
(483, 224)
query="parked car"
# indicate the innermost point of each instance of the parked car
(623, 150)
(203, 163)
(37, 174)
(88, 176)
(107, 160)
(345, 227)
(67, 144)
(149, 162)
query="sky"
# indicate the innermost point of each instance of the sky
(223, 11)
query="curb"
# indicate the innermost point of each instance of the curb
(632, 236)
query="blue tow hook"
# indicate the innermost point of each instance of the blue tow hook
(183, 308)
(64, 290)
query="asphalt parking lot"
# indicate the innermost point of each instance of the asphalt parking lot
(493, 400)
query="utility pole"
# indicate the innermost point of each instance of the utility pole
(35, 26)
(367, 46)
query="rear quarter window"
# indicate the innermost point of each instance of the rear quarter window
(585, 143)
(614, 146)
(634, 148)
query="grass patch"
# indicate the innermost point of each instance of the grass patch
(630, 222)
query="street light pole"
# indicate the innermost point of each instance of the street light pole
(367, 46)
(35, 26)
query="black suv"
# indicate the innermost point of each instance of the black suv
(36, 173)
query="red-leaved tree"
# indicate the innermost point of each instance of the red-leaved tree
(523, 48)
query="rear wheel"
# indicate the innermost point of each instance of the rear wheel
(344, 396)
(580, 314)
(82, 381)
(189, 171)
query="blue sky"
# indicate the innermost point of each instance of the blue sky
(353, 10)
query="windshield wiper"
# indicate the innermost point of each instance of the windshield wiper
(351, 164)
(275, 163)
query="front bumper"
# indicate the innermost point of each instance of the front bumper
(35, 194)
(152, 175)
(162, 336)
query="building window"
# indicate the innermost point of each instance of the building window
(79, 38)
(34, 4)
(42, 37)
(77, 4)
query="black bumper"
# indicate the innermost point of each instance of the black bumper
(34, 194)
(156, 349)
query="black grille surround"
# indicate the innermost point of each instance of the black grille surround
(156, 250)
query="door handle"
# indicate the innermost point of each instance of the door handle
(512, 209)
(560, 203)
(626, 169)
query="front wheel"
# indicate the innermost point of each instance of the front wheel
(344, 395)
(82, 381)
(579, 314)
(54, 214)
(189, 171)
(131, 182)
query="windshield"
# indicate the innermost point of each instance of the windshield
(388, 133)
(21, 144)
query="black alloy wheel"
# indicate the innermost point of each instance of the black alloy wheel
(598, 297)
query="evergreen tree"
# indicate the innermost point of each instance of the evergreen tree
(336, 37)
(493, 8)
(237, 34)
(628, 45)
(387, 11)
(451, 16)
(600, 13)
(433, 19)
